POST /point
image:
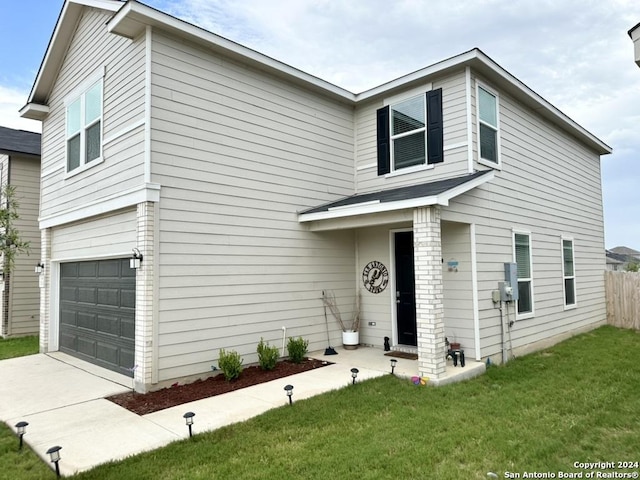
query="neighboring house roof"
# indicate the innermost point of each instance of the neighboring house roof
(131, 18)
(19, 141)
(613, 261)
(615, 256)
(438, 192)
(625, 251)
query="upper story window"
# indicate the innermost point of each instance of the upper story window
(488, 126)
(522, 257)
(568, 273)
(410, 133)
(84, 127)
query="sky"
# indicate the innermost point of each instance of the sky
(574, 53)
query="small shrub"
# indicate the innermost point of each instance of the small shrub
(267, 355)
(230, 363)
(297, 348)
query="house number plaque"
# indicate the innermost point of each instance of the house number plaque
(375, 277)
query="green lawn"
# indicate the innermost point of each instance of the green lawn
(18, 464)
(18, 346)
(576, 402)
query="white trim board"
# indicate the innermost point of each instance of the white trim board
(377, 207)
(134, 196)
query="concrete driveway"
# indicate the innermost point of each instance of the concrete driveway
(65, 406)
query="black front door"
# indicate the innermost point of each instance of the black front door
(405, 289)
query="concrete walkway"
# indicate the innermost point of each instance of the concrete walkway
(65, 406)
(63, 401)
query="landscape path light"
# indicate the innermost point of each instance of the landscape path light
(188, 418)
(289, 390)
(21, 429)
(394, 362)
(54, 453)
(354, 375)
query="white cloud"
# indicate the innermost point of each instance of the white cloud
(11, 101)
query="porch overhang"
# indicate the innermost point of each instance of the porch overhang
(389, 204)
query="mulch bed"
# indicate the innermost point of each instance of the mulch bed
(143, 403)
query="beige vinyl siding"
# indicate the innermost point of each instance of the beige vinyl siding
(374, 245)
(109, 235)
(455, 140)
(549, 186)
(24, 291)
(234, 264)
(457, 286)
(91, 50)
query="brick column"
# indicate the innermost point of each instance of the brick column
(45, 289)
(144, 298)
(427, 251)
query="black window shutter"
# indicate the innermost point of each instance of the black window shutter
(435, 130)
(384, 154)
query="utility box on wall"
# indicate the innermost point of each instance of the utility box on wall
(511, 277)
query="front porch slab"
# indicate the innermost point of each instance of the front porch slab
(372, 358)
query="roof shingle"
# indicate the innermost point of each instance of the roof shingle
(19, 141)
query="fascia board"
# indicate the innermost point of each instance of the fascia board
(465, 187)
(56, 50)
(418, 75)
(542, 106)
(108, 5)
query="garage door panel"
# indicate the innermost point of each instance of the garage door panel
(87, 295)
(68, 317)
(87, 269)
(128, 298)
(67, 341)
(107, 352)
(109, 268)
(69, 270)
(109, 296)
(86, 346)
(127, 328)
(109, 325)
(127, 357)
(86, 321)
(97, 312)
(68, 293)
(128, 272)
